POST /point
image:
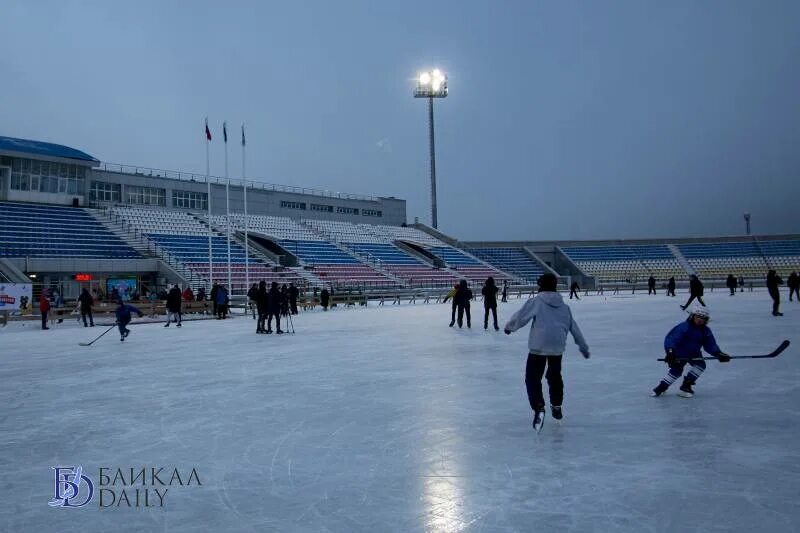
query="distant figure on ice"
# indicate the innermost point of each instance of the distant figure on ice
(651, 285)
(552, 320)
(123, 314)
(174, 298)
(573, 289)
(682, 345)
(213, 296)
(695, 291)
(251, 299)
(86, 302)
(489, 292)
(671, 286)
(274, 305)
(730, 282)
(44, 307)
(294, 292)
(773, 280)
(452, 296)
(261, 306)
(504, 299)
(462, 298)
(741, 284)
(222, 301)
(325, 298)
(794, 286)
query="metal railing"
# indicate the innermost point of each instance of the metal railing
(201, 178)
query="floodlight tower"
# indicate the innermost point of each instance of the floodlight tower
(747, 222)
(432, 85)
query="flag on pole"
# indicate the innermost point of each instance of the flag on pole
(243, 143)
(208, 131)
(225, 132)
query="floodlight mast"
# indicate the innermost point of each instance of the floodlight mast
(432, 85)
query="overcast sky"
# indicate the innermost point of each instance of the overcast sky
(596, 119)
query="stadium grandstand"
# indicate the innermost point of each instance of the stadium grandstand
(68, 219)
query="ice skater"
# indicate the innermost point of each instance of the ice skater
(682, 345)
(651, 285)
(773, 280)
(86, 302)
(174, 300)
(794, 286)
(489, 292)
(671, 286)
(695, 291)
(552, 319)
(461, 299)
(452, 296)
(123, 313)
(730, 282)
(504, 299)
(573, 290)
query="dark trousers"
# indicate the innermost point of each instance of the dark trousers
(493, 309)
(733, 290)
(222, 310)
(277, 316)
(260, 323)
(571, 292)
(453, 313)
(670, 291)
(651, 290)
(122, 328)
(776, 301)
(84, 314)
(505, 297)
(461, 310)
(699, 299)
(534, 370)
(293, 306)
(44, 320)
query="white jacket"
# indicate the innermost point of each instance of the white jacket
(552, 319)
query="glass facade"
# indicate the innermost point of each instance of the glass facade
(190, 200)
(44, 176)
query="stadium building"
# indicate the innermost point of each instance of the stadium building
(69, 220)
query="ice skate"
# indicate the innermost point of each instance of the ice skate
(686, 389)
(538, 420)
(660, 389)
(556, 412)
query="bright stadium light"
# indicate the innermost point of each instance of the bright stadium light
(432, 85)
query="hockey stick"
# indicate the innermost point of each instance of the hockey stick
(775, 353)
(98, 338)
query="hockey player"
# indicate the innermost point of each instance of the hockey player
(123, 313)
(682, 345)
(552, 319)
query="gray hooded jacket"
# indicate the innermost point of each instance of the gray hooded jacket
(552, 319)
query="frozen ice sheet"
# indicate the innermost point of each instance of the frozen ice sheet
(385, 419)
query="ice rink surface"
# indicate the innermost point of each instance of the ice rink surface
(385, 419)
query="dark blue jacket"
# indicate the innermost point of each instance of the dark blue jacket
(124, 313)
(686, 339)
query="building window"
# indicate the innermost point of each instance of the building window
(347, 210)
(371, 213)
(101, 191)
(293, 205)
(190, 200)
(43, 176)
(321, 207)
(145, 196)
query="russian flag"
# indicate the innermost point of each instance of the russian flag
(208, 131)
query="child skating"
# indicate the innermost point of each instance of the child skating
(552, 319)
(682, 345)
(123, 313)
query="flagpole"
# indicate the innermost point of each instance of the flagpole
(227, 205)
(208, 184)
(246, 240)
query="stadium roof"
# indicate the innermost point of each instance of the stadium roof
(10, 144)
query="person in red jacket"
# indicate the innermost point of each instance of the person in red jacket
(44, 307)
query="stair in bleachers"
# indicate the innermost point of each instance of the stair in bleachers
(510, 259)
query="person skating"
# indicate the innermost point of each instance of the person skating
(551, 321)
(773, 280)
(324, 298)
(504, 299)
(284, 300)
(274, 303)
(462, 299)
(261, 306)
(695, 291)
(222, 302)
(86, 302)
(671, 286)
(741, 284)
(452, 296)
(489, 292)
(294, 293)
(213, 296)
(651, 285)
(793, 282)
(573, 290)
(251, 299)
(44, 307)
(730, 282)
(123, 314)
(682, 345)
(174, 300)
